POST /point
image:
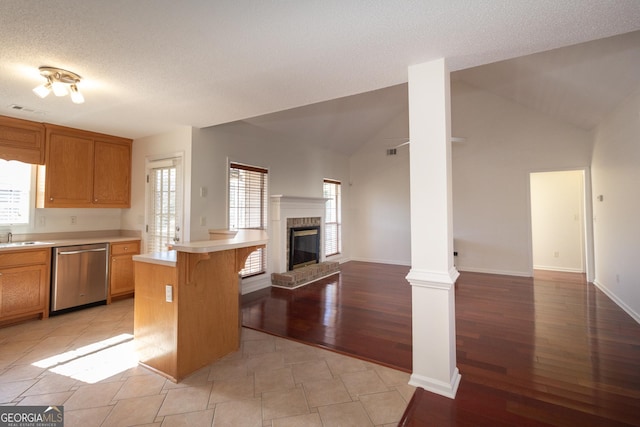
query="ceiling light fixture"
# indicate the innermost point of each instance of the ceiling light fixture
(60, 82)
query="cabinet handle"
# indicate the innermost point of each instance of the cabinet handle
(95, 200)
(51, 199)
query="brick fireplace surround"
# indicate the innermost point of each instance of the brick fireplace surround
(288, 212)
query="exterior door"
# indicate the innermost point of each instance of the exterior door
(164, 204)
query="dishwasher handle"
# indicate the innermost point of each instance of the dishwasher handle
(82, 251)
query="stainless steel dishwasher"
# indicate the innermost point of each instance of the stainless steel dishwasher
(79, 276)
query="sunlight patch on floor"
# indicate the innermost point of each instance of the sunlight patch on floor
(94, 362)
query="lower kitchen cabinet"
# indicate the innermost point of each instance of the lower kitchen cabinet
(24, 284)
(121, 273)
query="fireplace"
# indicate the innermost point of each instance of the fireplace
(304, 246)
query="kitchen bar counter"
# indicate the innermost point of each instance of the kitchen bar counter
(186, 312)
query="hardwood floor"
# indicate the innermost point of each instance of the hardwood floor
(549, 350)
(365, 311)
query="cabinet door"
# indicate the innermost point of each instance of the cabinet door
(122, 275)
(121, 271)
(69, 171)
(23, 291)
(112, 174)
(21, 140)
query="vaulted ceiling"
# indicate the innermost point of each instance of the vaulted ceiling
(151, 65)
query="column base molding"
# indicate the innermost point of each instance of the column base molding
(433, 279)
(436, 386)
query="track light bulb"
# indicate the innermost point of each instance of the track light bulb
(59, 88)
(76, 96)
(43, 90)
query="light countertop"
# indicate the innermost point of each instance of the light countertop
(50, 243)
(167, 258)
(242, 239)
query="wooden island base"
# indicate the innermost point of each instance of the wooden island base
(200, 323)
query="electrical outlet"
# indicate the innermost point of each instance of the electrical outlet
(556, 254)
(203, 220)
(42, 221)
(74, 220)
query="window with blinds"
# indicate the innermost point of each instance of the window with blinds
(15, 192)
(332, 218)
(248, 208)
(164, 204)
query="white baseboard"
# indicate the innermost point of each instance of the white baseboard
(383, 261)
(255, 285)
(561, 269)
(436, 386)
(618, 301)
(491, 271)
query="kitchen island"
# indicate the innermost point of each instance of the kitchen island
(186, 310)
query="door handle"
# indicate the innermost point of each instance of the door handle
(82, 251)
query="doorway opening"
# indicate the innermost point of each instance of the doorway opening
(559, 232)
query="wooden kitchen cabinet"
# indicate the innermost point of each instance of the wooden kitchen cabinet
(22, 140)
(24, 284)
(84, 170)
(121, 272)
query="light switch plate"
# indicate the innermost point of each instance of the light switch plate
(168, 293)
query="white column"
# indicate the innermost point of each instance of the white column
(432, 275)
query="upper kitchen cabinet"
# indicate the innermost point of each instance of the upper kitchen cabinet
(21, 140)
(84, 170)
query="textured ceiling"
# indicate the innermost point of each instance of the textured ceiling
(151, 65)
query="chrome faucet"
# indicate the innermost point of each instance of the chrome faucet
(9, 237)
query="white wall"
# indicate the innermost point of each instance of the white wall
(380, 197)
(557, 214)
(294, 170)
(505, 142)
(491, 214)
(616, 176)
(59, 220)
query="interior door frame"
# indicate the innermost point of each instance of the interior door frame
(587, 200)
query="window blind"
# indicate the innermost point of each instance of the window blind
(248, 207)
(332, 219)
(15, 192)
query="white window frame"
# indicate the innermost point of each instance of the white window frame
(28, 224)
(333, 209)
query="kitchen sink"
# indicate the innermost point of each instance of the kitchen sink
(21, 244)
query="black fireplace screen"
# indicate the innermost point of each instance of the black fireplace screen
(304, 246)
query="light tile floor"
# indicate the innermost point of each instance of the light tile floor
(85, 361)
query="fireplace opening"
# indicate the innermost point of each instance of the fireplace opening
(304, 246)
